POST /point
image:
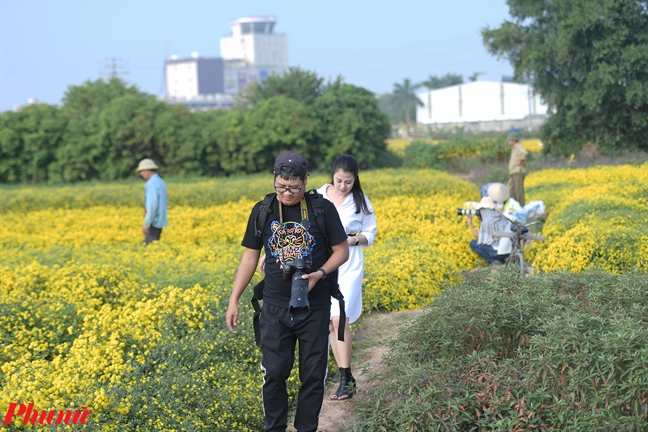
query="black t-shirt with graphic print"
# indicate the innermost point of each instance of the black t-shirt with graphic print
(291, 239)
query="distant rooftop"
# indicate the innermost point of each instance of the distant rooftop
(255, 24)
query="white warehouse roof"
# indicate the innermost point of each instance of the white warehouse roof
(478, 101)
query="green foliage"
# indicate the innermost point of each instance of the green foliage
(132, 127)
(500, 352)
(404, 95)
(474, 76)
(447, 80)
(76, 157)
(393, 108)
(352, 123)
(189, 364)
(276, 125)
(422, 154)
(298, 84)
(105, 127)
(387, 159)
(28, 139)
(446, 154)
(588, 59)
(184, 148)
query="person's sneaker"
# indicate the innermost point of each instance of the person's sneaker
(496, 263)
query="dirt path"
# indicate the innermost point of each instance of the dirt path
(369, 346)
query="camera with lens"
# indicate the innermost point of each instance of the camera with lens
(294, 270)
(465, 212)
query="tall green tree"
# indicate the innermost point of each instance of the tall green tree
(588, 59)
(28, 140)
(277, 125)
(229, 134)
(82, 106)
(132, 128)
(405, 95)
(295, 83)
(394, 112)
(201, 141)
(352, 123)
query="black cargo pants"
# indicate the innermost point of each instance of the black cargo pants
(279, 334)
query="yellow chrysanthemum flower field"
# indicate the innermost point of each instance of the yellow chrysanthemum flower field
(90, 317)
(598, 218)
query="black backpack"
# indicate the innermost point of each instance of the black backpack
(315, 202)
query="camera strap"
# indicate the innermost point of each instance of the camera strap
(302, 207)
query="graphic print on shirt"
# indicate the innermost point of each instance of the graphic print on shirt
(290, 240)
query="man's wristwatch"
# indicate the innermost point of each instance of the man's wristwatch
(357, 242)
(323, 272)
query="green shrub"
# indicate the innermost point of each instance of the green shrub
(553, 352)
(447, 154)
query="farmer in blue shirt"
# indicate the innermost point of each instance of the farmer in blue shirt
(155, 201)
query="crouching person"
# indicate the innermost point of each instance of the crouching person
(492, 249)
(296, 246)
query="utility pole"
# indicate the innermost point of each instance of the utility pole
(114, 67)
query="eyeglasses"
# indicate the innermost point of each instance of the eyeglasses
(292, 190)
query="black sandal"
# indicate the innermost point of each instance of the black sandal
(347, 385)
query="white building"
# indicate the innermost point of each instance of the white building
(252, 52)
(194, 76)
(488, 105)
(196, 82)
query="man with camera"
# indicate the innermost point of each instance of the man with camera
(299, 255)
(492, 249)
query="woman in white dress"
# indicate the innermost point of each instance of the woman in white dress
(359, 221)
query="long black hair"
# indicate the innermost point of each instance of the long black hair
(349, 164)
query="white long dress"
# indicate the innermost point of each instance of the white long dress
(351, 273)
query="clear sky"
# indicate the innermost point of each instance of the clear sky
(47, 45)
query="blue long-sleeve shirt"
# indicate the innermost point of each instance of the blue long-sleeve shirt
(155, 202)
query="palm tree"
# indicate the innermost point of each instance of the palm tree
(404, 95)
(435, 82)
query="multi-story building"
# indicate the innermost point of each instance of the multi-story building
(193, 76)
(196, 82)
(252, 52)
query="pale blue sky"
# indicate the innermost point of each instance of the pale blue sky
(46, 46)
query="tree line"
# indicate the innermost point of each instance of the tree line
(104, 127)
(587, 59)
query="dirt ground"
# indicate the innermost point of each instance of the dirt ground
(369, 346)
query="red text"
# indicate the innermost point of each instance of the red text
(32, 416)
